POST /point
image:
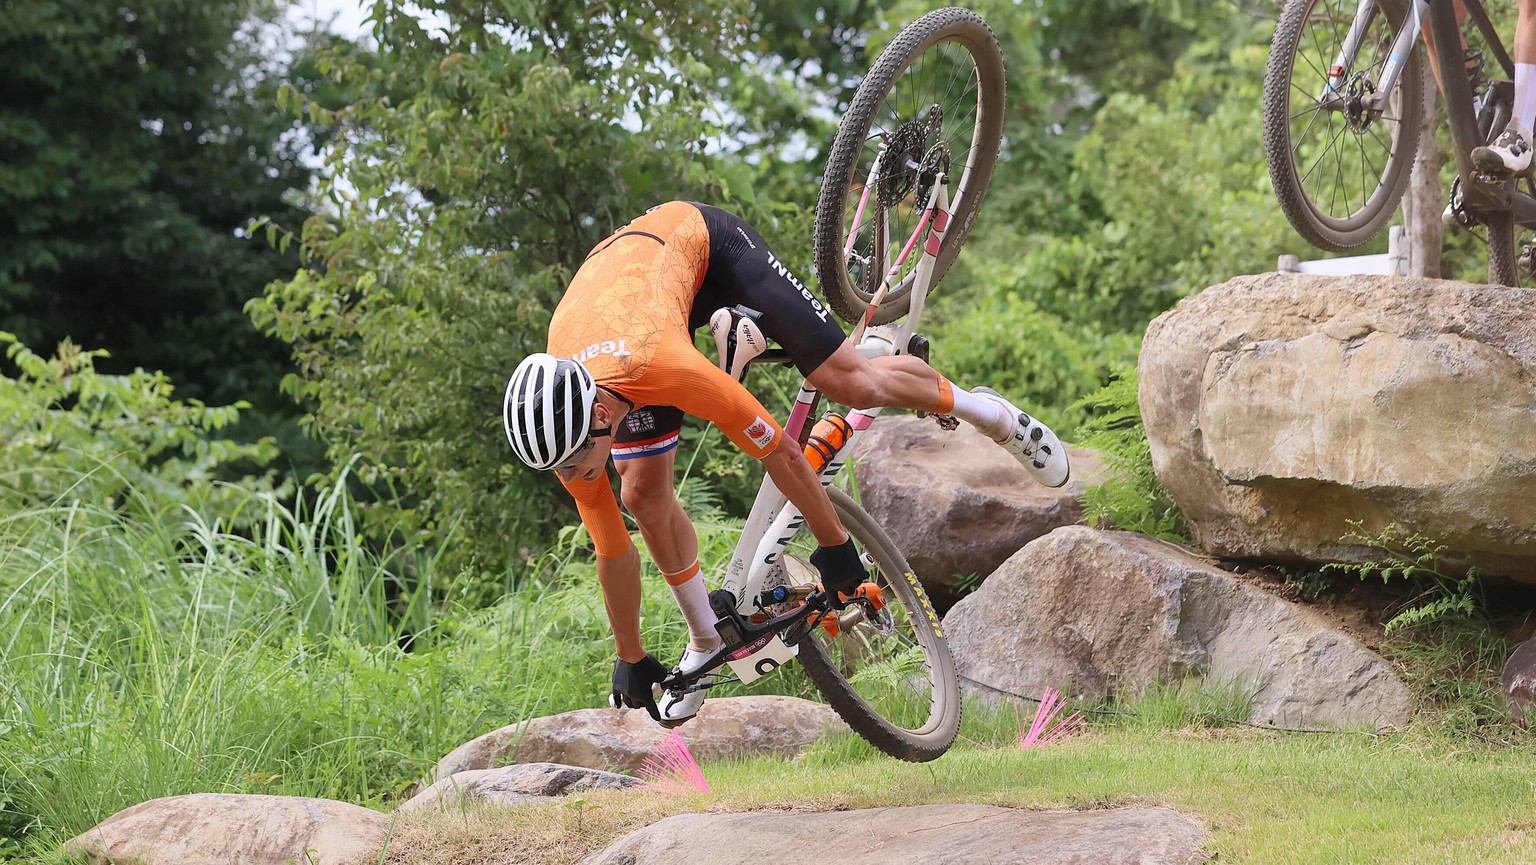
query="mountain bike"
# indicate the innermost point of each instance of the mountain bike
(879, 658)
(1343, 97)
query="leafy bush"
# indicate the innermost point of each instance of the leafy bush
(73, 435)
(1131, 497)
(487, 159)
(991, 336)
(1414, 559)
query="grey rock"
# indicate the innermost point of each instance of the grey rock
(218, 829)
(919, 835)
(1101, 612)
(618, 740)
(1519, 681)
(1279, 407)
(518, 784)
(955, 503)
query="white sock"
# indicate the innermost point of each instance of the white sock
(987, 415)
(1525, 98)
(693, 599)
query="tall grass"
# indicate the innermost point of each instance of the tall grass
(146, 653)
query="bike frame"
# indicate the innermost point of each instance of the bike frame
(1480, 192)
(774, 521)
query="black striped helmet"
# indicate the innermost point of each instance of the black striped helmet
(547, 412)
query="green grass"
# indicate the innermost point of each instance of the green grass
(1264, 797)
(147, 651)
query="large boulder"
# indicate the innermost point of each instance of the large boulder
(218, 828)
(618, 740)
(519, 784)
(1280, 407)
(955, 503)
(1103, 612)
(918, 835)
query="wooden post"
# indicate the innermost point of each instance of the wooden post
(1425, 200)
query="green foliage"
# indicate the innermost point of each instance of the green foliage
(1167, 191)
(1308, 583)
(1189, 703)
(490, 158)
(990, 335)
(1414, 559)
(140, 139)
(1452, 666)
(73, 434)
(151, 653)
(1130, 496)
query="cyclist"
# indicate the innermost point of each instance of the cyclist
(1510, 151)
(621, 371)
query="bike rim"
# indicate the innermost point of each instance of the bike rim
(943, 75)
(888, 667)
(1343, 154)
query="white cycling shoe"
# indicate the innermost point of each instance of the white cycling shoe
(677, 709)
(1032, 443)
(1510, 153)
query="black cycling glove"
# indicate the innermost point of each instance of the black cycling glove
(632, 684)
(842, 568)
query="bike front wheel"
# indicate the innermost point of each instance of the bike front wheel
(1339, 162)
(891, 678)
(934, 99)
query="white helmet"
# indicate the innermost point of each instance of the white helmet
(547, 411)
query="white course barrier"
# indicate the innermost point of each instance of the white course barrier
(1394, 262)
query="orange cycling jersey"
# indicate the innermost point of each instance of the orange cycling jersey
(625, 317)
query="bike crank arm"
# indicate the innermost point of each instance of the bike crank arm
(737, 633)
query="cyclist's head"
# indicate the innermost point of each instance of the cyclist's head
(547, 412)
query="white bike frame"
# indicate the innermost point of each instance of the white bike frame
(774, 521)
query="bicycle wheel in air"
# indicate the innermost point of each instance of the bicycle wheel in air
(1339, 167)
(892, 680)
(935, 98)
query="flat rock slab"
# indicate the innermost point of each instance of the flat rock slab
(919, 835)
(621, 740)
(521, 784)
(955, 503)
(219, 829)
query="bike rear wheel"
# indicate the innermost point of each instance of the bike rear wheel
(895, 684)
(1339, 168)
(938, 86)
(1509, 260)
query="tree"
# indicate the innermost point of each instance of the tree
(139, 139)
(494, 152)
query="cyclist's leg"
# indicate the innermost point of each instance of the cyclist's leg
(1510, 150)
(1429, 41)
(1525, 66)
(904, 381)
(643, 452)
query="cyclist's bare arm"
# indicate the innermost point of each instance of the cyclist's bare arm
(620, 579)
(618, 562)
(793, 476)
